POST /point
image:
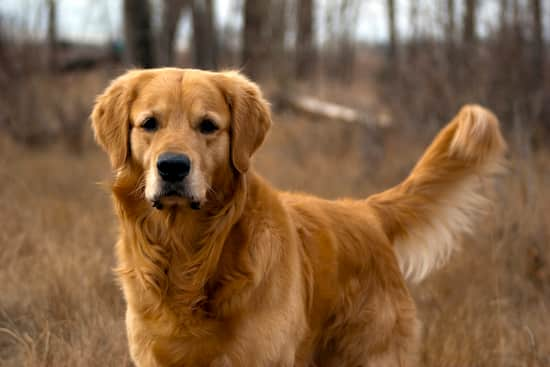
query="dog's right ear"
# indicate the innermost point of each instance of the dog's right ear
(111, 116)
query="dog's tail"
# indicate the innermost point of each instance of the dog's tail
(424, 215)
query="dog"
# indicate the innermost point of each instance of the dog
(218, 268)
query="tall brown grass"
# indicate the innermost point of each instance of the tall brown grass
(61, 306)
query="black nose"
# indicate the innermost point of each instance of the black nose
(173, 167)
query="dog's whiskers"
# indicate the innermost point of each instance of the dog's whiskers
(139, 189)
(210, 189)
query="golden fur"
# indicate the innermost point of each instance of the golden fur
(259, 277)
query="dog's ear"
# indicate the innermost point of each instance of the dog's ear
(111, 116)
(250, 114)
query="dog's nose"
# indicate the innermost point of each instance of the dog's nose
(173, 167)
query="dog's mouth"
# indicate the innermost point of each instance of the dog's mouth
(173, 196)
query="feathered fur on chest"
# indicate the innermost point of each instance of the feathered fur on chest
(172, 258)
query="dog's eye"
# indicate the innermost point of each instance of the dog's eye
(150, 124)
(207, 126)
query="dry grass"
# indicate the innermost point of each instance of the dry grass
(60, 305)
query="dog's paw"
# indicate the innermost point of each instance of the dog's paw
(477, 137)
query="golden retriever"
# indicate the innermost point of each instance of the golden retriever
(219, 268)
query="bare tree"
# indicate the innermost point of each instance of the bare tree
(470, 21)
(414, 21)
(504, 12)
(339, 49)
(510, 22)
(538, 42)
(413, 18)
(450, 25)
(392, 29)
(516, 20)
(138, 33)
(205, 43)
(255, 37)
(52, 34)
(349, 13)
(305, 49)
(171, 15)
(278, 28)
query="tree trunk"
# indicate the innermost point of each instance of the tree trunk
(413, 44)
(538, 42)
(450, 29)
(305, 51)
(205, 43)
(278, 29)
(470, 20)
(348, 19)
(516, 21)
(137, 31)
(392, 30)
(256, 26)
(504, 17)
(171, 14)
(52, 35)
(413, 19)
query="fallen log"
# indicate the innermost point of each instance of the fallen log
(332, 111)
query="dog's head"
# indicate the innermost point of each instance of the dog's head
(186, 130)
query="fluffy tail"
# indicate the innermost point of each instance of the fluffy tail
(424, 215)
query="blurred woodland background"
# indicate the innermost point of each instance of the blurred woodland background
(357, 95)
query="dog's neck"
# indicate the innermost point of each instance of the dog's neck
(174, 253)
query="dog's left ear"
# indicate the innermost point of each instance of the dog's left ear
(250, 114)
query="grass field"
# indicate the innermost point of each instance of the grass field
(61, 306)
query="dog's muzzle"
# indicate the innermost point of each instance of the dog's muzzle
(173, 168)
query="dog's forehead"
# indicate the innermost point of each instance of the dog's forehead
(189, 89)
